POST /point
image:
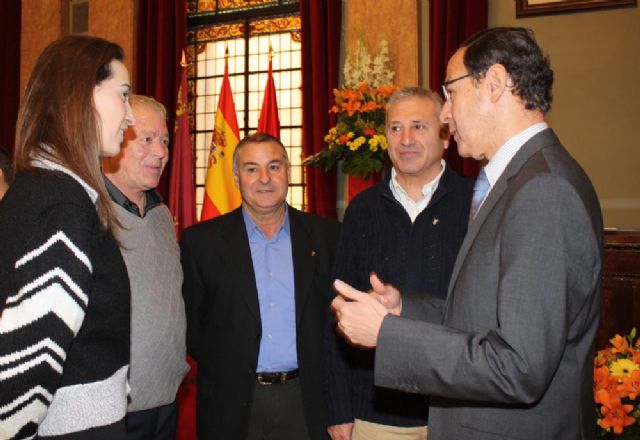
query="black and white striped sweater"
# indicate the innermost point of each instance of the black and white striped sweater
(65, 311)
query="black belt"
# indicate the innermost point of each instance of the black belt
(276, 377)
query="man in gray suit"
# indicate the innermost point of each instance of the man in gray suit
(512, 356)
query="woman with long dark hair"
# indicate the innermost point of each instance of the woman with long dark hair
(64, 290)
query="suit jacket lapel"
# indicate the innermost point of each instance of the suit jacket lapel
(304, 259)
(533, 145)
(239, 257)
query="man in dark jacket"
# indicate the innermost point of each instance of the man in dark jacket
(408, 229)
(256, 289)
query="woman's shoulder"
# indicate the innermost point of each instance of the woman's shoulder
(45, 188)
(38, 201)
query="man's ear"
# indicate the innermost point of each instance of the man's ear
(497, 79)
(236, 179)
(445, 135)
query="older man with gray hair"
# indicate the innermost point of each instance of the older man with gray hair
(152, 257)
(407, 229)
(256, 291)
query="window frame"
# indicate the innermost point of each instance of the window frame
(209, 19)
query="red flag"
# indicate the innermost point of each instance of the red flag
(181, 198)
(221, 194)
(269, 122)
(182, 205)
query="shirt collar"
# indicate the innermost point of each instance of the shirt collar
(427, 190)
(505, 153)
(153, 198)
(412, 207)
(253, 229)
(50, 165)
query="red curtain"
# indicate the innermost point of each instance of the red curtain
(10, 13)
(160, 39)
(451, 22)
(321, 33)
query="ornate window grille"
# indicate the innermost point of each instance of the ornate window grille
(246, 29)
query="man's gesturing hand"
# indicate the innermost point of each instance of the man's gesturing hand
(360, 314)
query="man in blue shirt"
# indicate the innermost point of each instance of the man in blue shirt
(257, 290)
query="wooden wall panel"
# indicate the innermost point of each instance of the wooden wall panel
(620, 285)
(114, 21)
(395, 21)
(44, 21)
(41, 24)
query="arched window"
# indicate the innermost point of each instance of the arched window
(247, 29)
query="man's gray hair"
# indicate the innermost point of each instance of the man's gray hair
(402, 93)
(149, 102)
(409, 92)
(258, 138)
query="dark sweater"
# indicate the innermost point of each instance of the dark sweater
(64, 323)
(378, 236)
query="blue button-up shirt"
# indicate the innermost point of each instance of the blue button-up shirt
(273, 267)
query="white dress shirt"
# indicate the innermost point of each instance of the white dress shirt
(505, 153)
(415, 208)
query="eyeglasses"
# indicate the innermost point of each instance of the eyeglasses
(448, 83)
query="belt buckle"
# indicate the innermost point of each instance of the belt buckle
(275, 378)
(261, 381)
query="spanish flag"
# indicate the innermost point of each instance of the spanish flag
(221, 194)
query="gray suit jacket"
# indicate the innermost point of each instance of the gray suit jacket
(512, 357)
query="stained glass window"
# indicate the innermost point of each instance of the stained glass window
(247, 34)
(227, 6)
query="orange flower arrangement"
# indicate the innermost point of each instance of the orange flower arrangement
(363, 99)
(616, 388)
(358, 139)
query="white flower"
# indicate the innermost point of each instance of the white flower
(359, 68)
(380, 75)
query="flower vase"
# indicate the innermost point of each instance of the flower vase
(349, 186)
(355, 185)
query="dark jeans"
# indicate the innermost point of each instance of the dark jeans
(153, 424)
(277, 413)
